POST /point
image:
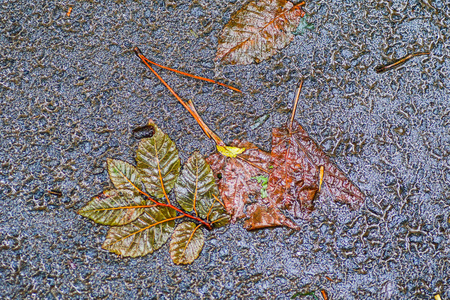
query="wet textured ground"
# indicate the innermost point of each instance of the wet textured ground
(71, 91)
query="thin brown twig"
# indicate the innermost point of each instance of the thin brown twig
(252, 164)
(190, 107)
(295, 105)
(401, 61)
(193, 76)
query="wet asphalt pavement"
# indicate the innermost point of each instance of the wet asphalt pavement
(72, 90)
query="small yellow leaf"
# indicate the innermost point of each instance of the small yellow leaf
(230, 151)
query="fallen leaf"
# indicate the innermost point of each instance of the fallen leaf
(217, 215)
(230, 151)
(187, 243)
(258, 31)
(158, 163)
(196, 186)
(143, 236)
(294, 181)
(114, 207)
(123, 175)
(142, 224)
(241, 190)
(234, 176)
(263, 216)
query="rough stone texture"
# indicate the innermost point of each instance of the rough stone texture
(71, 91)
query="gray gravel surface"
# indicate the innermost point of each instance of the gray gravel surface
(71, 91)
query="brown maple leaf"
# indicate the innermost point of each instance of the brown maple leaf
(295, 179)
(241, 192)
(296, 170)
(234, 176)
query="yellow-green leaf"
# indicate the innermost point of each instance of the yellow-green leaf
(143, 236)
(114, 207)
(187, 243)
(123, 175)
(218, 215)
(195, 186)
(230, 151)
(158, 163)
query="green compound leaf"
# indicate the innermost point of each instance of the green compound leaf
(123, 175)
(187, 243)
(158, 163)
(143, 236)
(114, 207)
(195, 186)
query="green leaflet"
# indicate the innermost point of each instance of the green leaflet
(187, 243)
(123, 175)
(299, 294)
(263, 180)
(218, 216)
(143, 236)
(195, 186)
(157, 160)
(114, 207)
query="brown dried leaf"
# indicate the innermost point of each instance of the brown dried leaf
(294, 181)
(258, 30)
(262, 216)
(234, 176)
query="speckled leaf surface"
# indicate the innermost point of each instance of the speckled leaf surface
(258, 31)
(234, 177)
(241, 191)
(264, 216)
(294, 181)
(187, 243)
(114, 207)
(123, 175)
(195, 186)
(158, 163)
(143, 236)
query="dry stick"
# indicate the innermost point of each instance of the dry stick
(401, 61)
(252, 164)
(184, 73)
(202, 124)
